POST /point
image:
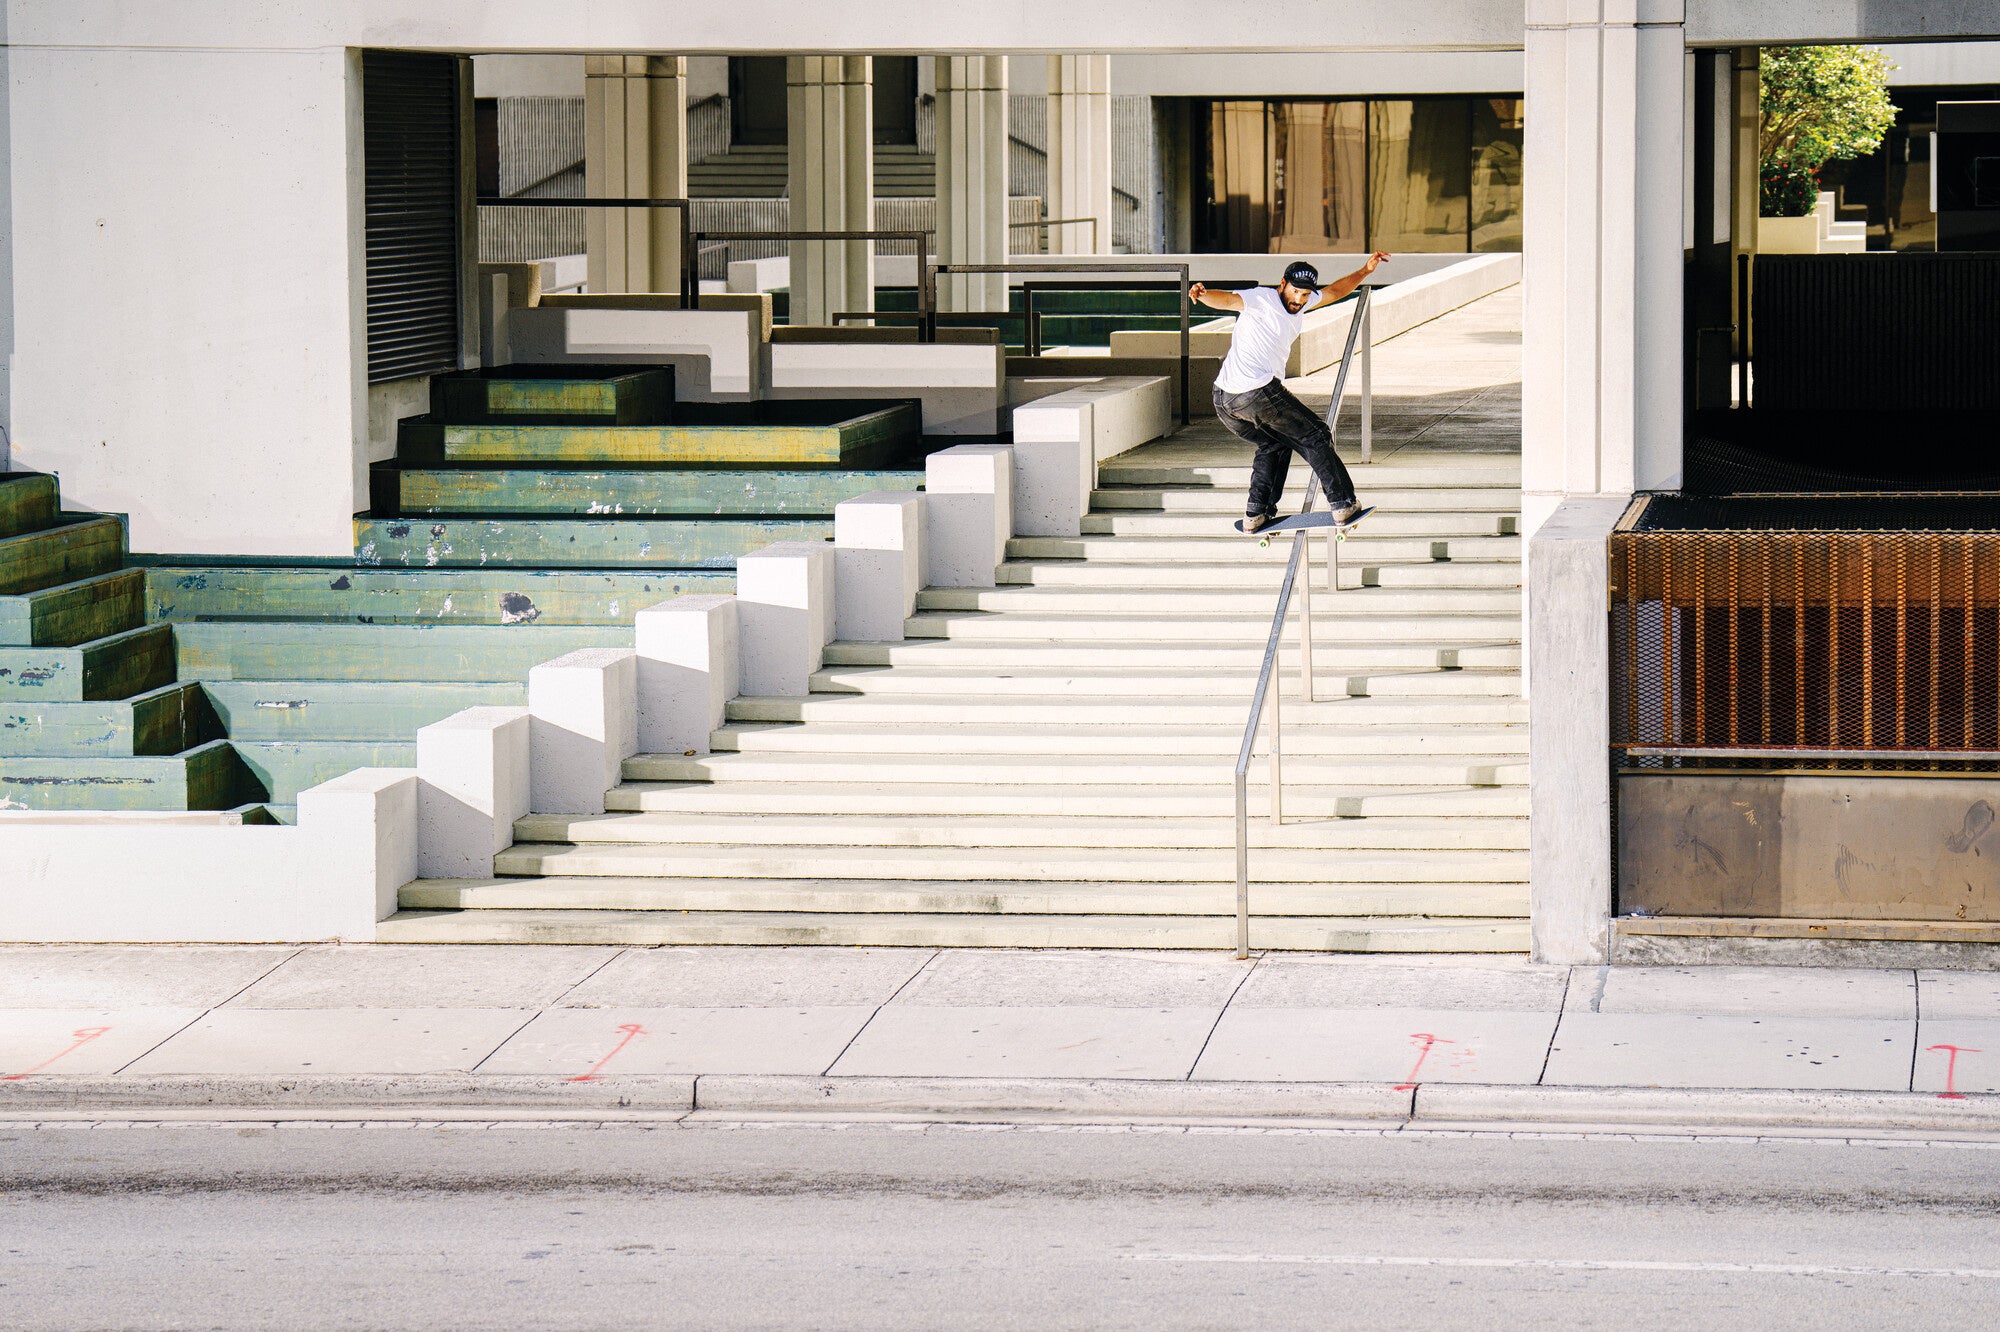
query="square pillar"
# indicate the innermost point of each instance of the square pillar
(784, 609)
(688, 671)
(972, 178)
(634, 147)
(1080, 152)
(472, 783)
(968, 514)
(583, 724)
(878, 543)
(831, 181)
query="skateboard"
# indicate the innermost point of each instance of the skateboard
(1299, 520)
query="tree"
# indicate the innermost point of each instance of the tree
(1822, 104)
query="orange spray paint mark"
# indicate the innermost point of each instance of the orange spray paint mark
(79, 1038)
(1424, 1042)
(631, 1030)
(1951, 1054)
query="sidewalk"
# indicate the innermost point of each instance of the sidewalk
(562, 1031)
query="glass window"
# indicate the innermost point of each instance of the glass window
(1419, 175)
(1318, 180)
(1496, 173)
(1239, 176)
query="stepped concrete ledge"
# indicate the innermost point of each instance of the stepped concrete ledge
(1450, 1043)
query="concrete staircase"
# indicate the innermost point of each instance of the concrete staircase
(1047, 763)
(757, 171)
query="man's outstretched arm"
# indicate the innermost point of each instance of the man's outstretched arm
(1215, 300)
(1340, 288)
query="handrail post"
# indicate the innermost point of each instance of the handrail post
(1367, 375)
(1242, 865)
(1306, 616)
(1277, 751)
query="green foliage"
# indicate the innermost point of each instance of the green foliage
(1786, 189)
(1822, 104)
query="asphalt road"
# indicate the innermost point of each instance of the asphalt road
(532, 1226)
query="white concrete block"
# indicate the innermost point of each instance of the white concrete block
(784, 610)
(1126, 411)
(584, 724)
(688, 671)
(749, 275)
(472, 783)
(878, 543)
(370, 814)
(968, 513)
(715, 353)
(961, 386)
(1054, 466)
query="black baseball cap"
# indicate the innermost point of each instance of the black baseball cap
(1302, 275)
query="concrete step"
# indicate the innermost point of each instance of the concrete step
(1329, 712)
(600, 395)
(599, 492)
(541, 597)
(1382, 524)
(1476, 883)
(1157, 468)
(251, 650)
(28, 502)
(1219, 741)
(369, 710)
(1262, 576)
(1381, 934)
(980, 798)
(767, 830)
(1351, 770)
(286, 768)
(209, 776)
(72, 613)
(1226, 547)
(117, 666)
(1073, 685)
(78, 546)
(166, 720)
(758, 434)
(1336, 623)
(1101, 658)
(597, 543)
(1427, 602)
(1401, 499)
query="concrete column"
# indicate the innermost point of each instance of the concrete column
(634, 147)
(968, 514)
(1746, 182)
(583, 723)
(472, 783)
(831, 181)
(972, 178)
(784, 610)
(1601, 363)
(1080, 151)
(688, 671)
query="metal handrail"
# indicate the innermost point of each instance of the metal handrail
(690, 283)
(1043, 224)
(1268, 689)
(1102, 266)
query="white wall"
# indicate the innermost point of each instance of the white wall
(1943, 62)
(186, 264)
(1295, 74)
(527, 76)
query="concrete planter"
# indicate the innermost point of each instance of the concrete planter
(1788, 235)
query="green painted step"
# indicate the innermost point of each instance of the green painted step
(115, 667)
(578, 394)
(347, 709)
(285, 768)
(210, 776)
(27, 502)
(80, 546)
(419, 596)
(602, 493)
(166, 720)
(595, 543)
(247, 650)
(754, 433)
(72, 613)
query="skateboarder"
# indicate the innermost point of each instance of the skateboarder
(1253, 402)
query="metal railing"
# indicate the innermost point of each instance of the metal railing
(1265, 698)
(926, 284)
(689, 283)
(927, 278)
(1043, 224)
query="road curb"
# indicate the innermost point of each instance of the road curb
(720, 1097)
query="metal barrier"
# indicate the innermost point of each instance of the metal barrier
(949, 319)
(928, 280)
(1042, 226)
(1268, 688)
(689, 282)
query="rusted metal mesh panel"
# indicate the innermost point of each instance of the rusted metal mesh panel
(1806, 640)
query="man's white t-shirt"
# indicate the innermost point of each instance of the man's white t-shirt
(1262, 341)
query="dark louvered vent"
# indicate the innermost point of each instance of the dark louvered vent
(410, 109)
(1877, 332)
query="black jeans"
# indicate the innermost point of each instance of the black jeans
(1279, 424)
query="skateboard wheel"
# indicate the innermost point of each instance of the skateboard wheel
(1264, 543)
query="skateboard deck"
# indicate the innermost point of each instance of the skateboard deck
(1307, 520)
